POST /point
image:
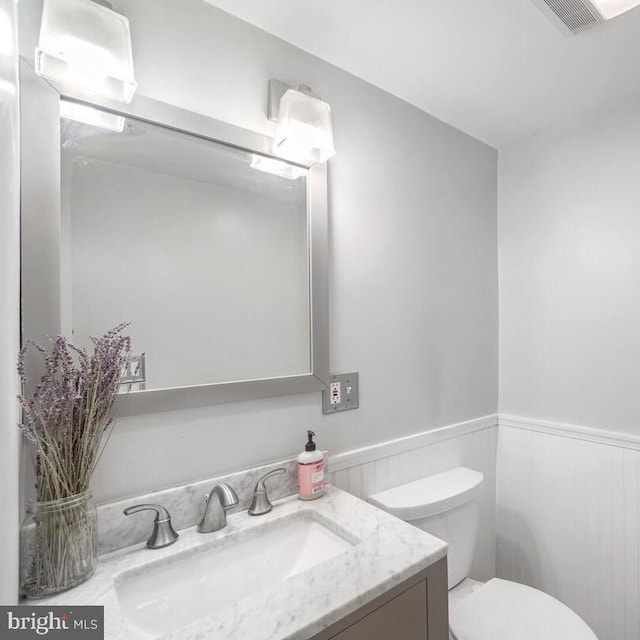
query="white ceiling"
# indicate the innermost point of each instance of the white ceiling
(496, 69)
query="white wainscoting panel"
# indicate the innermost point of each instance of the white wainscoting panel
(568, 519)
(471, 444)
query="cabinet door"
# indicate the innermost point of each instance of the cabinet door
(404, 617)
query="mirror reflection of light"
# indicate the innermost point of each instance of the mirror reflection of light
(88, 115)
(7, 46)
(277, 167)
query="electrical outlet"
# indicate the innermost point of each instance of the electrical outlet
(134, 370)
(342, 394)
(335, 393)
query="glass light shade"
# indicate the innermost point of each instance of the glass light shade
(85, 45)
(304, 127)
(612, 8)
(88, 115)
(277, 167)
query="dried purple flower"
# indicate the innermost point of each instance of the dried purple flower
(69, 410)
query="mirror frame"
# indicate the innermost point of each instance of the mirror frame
(41, 237)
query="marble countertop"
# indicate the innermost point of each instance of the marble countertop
(388, 551)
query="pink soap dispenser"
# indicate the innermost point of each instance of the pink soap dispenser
(310, 471)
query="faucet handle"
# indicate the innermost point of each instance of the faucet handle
(163, 533)
(260, 503)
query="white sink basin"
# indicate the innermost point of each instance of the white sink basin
(167, 595)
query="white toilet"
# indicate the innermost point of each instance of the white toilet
(446, 506)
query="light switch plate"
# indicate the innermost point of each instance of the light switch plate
(343, 393)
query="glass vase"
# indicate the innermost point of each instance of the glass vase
(58, 545)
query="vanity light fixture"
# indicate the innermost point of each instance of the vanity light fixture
(304, 130)
(277, 167)
(88, 115)
(86, 45)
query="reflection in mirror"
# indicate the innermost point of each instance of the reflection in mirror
(202, 247)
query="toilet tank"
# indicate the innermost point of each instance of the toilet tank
(446, 506)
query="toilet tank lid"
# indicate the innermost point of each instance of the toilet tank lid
(431, 495)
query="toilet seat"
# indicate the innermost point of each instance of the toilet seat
(504, 610)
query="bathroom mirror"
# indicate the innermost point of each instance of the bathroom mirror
(193, 242)
(192, 230)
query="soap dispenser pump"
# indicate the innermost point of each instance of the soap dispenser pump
(310, 470)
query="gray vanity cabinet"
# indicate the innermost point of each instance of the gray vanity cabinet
(417, 609)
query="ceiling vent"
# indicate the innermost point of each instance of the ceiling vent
(571, 16)
(575, 16)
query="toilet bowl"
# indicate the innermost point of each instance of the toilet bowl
(445, 505)
(501, 609)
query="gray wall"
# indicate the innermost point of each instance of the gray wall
(569, 229)
(413, 284)
(10, 305)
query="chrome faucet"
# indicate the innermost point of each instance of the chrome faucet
(163, 532)
(221, 498)
(260, 503)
